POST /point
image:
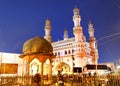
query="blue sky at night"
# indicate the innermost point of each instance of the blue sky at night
(22, 19)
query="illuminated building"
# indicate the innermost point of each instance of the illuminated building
(67, 54)
(75, 51)
(10, 64)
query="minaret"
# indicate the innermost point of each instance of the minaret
(65, 37)
(77, 29)
(47, 29)
(93, 43)
(92, 39)
(80, 39)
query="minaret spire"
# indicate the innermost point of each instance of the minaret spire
(91, 29)
(80, 39)
(65, 34)
(92, 39)
(93, 42)
(76, 17)
(65, 37)
(47, 29)
(77, 29)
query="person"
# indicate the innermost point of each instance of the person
(60, 80)
(37, 78)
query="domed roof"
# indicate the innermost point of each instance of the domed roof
(76, 11)
(37, 45)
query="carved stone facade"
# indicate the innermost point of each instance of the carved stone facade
(75, 51)
(48, 57)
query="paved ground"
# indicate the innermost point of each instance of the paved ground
(55, 84)
(66, 84)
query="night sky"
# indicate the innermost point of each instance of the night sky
(21, 20)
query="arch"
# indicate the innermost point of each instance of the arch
(58, 53)
(72, 51)
(65, 52)
(69, 52)
(34, 66)
(63, 67)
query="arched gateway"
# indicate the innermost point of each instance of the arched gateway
(37, 56)
(63, 68)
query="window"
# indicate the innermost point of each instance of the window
(58, 53)
(65, 52)
(72, 51)
(73, 64)
(69, 52)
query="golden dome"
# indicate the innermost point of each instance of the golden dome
(37, 45)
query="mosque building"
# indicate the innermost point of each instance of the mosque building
(76, 51)
(42, 55)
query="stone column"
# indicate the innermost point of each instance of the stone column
(23, 71)
(28, 72)
(50, 68)
(28, 68)
(42, 69)
(50, 71)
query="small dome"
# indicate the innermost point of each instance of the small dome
(47, 22)
(37, 45)
(76, 11)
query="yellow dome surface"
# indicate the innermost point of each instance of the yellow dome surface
(37, 45)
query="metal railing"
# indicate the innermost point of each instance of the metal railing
(69, 80)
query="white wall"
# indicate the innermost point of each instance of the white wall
(12, 58)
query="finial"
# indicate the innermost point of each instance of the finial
(90, 29)
(65, 34)
(65, 30)
(47, 22)
(75, 6)
(90, 22)
(76, 10)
